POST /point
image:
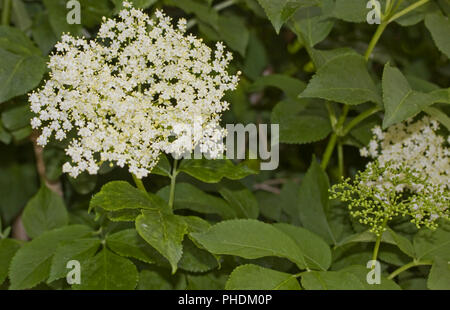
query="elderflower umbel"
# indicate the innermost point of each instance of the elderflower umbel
(134, 92)
(409, 176)
(381, 192)
(415, 144)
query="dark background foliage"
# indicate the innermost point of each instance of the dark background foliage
(279, 46)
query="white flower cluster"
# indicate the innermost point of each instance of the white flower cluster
(136, 91)
(415, 144)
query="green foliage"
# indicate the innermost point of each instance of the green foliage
(8, 247)
(21, 63)
(313, 202)
(439, 278)
(187, 196)
(120, 195)
(316, 68)
(32, 262)
(400, 100)
(329, 83)
(108, 271)
(80, 250)
(249, 239)
(252, 277)
(44, 212)
(213, 171)
(164, 232)
(439, 26)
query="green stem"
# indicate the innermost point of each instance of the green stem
(407, 266)
(408, 9)
(6, 12)
(172, 183)
(359, 119)
(139, 183)
(333, 139)
(375, 38)
(387, 8)
(377, 247)
(378, 242)
(340, 149)
(331, 115)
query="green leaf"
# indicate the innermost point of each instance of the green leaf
(312, 24)
(187, 196)
(195, 259)
(21, 63)
(257, 58)
(316, 252)
(158, 280)
(331, 280)
(389, 237)
(249, 239)
(17, 117)
(329, 83)
(366, 236)
(213, 171)
(208, 281)
(17, 185)
(298, 127)
(20, 16)
(361, 274)
(44, 212)
(234, 32)
(351, 11)
(240, 199)
(42, 32)
(196, 224)
(292, 87)
(80, 250)
(313, 202)
(164, 232)
(321, 57)
(125, 215)
(400, 100)
(439, 27)
(120, 195)
(280, 11)
(93, 11)
(417, 15)
(129, 244)
(163, 167)
(8, 248)
(429, 244)
(107, 271)
(402, 243)
(253, 277)
(15, 41)
(31, 264)
(439, 278)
